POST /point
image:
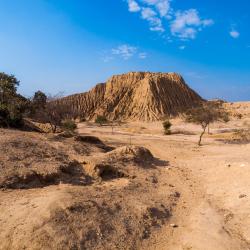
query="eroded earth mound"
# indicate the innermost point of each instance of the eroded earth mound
(75, 192)
(136, 96)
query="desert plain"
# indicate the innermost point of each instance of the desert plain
(128, 186)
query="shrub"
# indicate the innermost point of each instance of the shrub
(166, 126)
(206, 114)
(12, 105)
(56, 112)
(69, 125)
(4, 116)
(100, 119)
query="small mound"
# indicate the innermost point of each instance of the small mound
(131, 153)
(92, 140)
(88, 139)
(29, 162)
(120, 162)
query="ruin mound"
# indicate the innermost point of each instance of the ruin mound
(30, 160)
(120, 162)
(136, 96)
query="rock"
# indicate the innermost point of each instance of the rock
(135, 96)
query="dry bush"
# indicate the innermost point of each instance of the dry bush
(241, 136)
(57, 114)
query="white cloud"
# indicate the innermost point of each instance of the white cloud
(234, 33)
(187, 23)
(184, 24)
(151, 16)
(182, 47)
(133, 6)
(162, 6)
(148, 13)
(142, 55)
(125, 51)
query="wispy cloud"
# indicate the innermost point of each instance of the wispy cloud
(133, 6)
(187, 23)
(151, 16)
(161, 17)
(124, 51)
(234, 33)
(162, 6)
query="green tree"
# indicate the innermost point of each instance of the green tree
(166, 126)
(205, 114)
(8, 87)
(12, 105)
(39, 100)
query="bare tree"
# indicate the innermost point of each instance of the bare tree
(205, 114)
(55, 112)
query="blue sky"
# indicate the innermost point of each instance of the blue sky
(70, 45)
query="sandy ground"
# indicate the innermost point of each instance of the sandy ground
(198, 199)
(214, 212)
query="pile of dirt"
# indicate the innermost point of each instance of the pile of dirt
(54, 203)
(121, 162)
(92, 140)
(113, 219)
(28, 161)
(136, 96)
(31, 160)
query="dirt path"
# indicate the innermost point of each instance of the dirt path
(213, 212)
(211, 201)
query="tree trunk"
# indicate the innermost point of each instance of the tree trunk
(54, 130)
(203, 132)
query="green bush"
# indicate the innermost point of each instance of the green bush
(100, 119)
(11, 114)
(166, 126)
(69, 125)
(4, 116)
(12, 105)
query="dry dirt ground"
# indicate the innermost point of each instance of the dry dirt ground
(83, 193)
